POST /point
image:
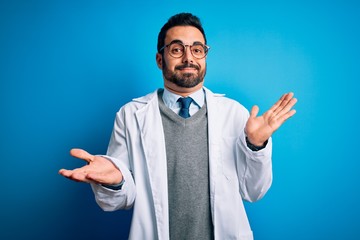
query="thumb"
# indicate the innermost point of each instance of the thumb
(254, 111)
(82, 154)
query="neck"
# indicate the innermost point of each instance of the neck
(184, 92)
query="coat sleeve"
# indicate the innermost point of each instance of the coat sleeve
(108, 199)
(255, 174)
(254, 168)
(251, 169)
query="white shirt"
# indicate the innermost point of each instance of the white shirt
(171, 101)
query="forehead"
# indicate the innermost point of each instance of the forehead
(186, 34)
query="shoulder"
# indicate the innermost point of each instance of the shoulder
(139, 103)
(223, 102)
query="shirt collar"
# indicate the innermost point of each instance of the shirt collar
(170, 99)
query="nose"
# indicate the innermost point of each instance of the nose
(188, 57)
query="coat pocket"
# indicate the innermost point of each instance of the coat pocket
(228, 157)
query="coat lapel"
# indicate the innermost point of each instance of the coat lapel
(214, 131)
(153, 144)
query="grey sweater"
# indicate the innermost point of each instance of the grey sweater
(188, 174)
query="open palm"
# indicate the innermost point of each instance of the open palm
(260, 128)
(98, 170)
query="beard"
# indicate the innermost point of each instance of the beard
(185, 80)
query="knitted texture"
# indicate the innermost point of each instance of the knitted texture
(188, 174)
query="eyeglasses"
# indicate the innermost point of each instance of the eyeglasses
(178, 49)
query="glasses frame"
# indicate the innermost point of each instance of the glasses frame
(206, 49)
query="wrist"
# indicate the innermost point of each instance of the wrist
(255, 146)
(115, 186)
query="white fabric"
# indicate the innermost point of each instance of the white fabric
(171, 101)
(137, 148)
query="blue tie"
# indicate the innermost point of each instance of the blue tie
(185, 104)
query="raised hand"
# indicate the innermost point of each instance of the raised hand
(259, 128)
(98, 170)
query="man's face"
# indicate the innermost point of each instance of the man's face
(186, 72)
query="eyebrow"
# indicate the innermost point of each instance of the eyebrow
(179, 41)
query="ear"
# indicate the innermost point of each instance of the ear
(159, 60)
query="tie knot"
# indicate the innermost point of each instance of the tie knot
(185, 102)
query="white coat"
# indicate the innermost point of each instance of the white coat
(137, 148)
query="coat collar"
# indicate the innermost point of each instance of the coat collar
(151, 96)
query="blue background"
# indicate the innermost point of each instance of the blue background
(67, 66)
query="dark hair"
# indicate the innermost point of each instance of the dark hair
(181, 19)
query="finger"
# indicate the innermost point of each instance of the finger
(287, 108)
(288, 115)
(290, 104)
(78, 175)
(278, 103)
(69, 173)
(64, 172)
(283, 97)
(283, 102)
(82, 154)
(109, 179)
(254, 111)
(287, 98)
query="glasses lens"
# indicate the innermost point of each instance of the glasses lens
(198, 51)
(176, 50)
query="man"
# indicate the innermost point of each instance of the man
(183, 157)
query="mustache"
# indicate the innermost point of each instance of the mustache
(187, 65)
